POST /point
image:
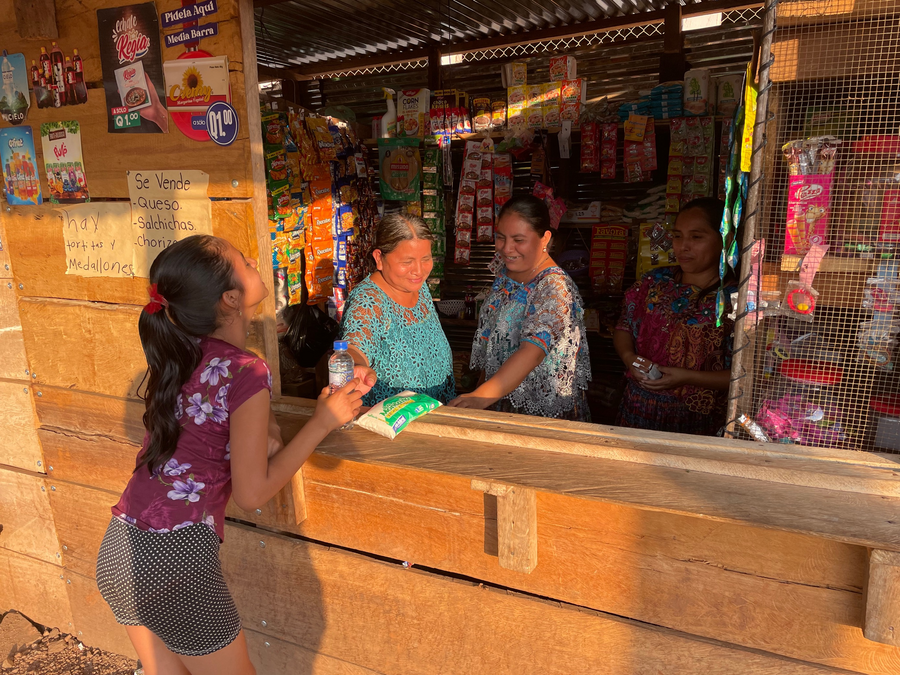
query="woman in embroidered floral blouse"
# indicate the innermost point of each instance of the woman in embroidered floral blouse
(531, 341)
(669, 319)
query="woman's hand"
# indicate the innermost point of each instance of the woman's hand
(367, 378)
(639, 371)
(335, 410)
(672, 378)
(472, 401)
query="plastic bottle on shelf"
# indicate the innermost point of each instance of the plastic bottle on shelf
(58, 64)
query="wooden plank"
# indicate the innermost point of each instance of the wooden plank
(5, 267)
(107, 156)
(38, 252)
(393, 620)
(88, 346)
(260, 218)
(19, 445)
(13, 363)
(805, 12)
(279, 657)
(96, 460)
(93, 619)
(846, 50)
(35, 588)
(883, 598)
(91, 414)
(82, 516)
(26, 516)
(516, 518)
(36, 19)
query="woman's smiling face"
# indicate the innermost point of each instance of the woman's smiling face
(519, 246)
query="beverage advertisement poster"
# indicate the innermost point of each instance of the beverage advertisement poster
(132, 69)
(58, 79)
(21, 180)
(61, 143)
(14, 97)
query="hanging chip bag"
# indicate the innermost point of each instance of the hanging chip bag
(394, 414)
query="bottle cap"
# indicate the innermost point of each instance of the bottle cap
(340, 346)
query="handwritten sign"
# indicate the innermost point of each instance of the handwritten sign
(166, 206)
(98, 239)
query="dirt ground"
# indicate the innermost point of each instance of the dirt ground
(27, 648)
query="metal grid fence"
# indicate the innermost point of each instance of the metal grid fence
(821, 365)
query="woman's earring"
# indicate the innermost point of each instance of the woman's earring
(240, 313)
(545, 249)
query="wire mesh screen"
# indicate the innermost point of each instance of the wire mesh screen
(821, 364)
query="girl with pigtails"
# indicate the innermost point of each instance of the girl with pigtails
(210, 435)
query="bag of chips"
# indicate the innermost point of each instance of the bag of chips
(394, 414)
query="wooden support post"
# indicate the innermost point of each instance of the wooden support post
(672, 64)
(36, 19)
(883, 598)
(434, 68)
(516, 524)
(299, 496)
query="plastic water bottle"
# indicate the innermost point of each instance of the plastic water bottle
(340, 370)
(340, 367)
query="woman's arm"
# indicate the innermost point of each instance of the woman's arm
(256, 477)
(511, 374)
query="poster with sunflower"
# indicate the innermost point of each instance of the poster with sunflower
(192, 85)
(132, 69)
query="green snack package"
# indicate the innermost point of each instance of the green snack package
(394, 414)
(400, 169)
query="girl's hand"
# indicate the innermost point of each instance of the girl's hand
(335, 410)
(472, 401)
(367, 378)
(672, 378)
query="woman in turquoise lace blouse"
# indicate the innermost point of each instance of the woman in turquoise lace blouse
(390, 322)
(531, 342)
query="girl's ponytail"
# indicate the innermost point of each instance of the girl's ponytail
(188, 280)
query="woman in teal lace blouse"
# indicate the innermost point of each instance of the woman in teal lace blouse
(390, 322)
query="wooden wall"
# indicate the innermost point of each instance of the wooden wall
(73, 340)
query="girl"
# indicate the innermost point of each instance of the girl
(531, 340)
(210, 434)
(669, 319)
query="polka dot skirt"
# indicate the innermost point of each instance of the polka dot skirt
(171, 583)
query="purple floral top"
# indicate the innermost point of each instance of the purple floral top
(195, 484)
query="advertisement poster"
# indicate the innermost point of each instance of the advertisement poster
(166, 206)
(14, 98)
(132, 69)
(21, 181)
(61, 143)
(192, 85)
(57, 79)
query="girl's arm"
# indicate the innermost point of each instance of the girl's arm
(511, 374)
(256, 477)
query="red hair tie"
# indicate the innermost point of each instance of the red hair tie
(157, 302)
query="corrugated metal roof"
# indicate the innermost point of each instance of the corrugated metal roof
(307, 32)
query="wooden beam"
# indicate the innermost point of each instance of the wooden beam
(883, 598)
(258, 196)
(324, 67)
(673, 42)
(516, 524)
(36, 19)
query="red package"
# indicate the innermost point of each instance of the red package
(590, 147)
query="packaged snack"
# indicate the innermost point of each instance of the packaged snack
(272, 129)
(562, 68)
(464, 125)
(481, 114)
(728, 88)
(391, 416)
(276, 164)
(809, 206)
(518, 99)
(498, 114)
(322, 137)
(696, 92)
(534, 108)
(440, 112)
(551, 98)
(400, 169)
(462, 255)
(571, 97)
(590, 147)
(515, 74)
(279, 200)
(503, 180)
(413, 106)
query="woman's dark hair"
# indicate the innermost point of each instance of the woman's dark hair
(532, 210)
(712, 210)
(191, 275)
(395, 228)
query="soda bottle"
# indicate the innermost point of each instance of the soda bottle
(58, 99)
(7, 71)
(46, 69)
(70, 83)
(46, 100)
(35, 75)
(80, 87)
(469, 304)
(59, 74)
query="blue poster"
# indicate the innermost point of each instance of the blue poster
(21, 180)
(14, 97)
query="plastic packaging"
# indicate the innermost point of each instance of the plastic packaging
(340, 367)
(394, 414)
(389, 119)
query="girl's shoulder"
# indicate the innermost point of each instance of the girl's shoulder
(221, 355)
